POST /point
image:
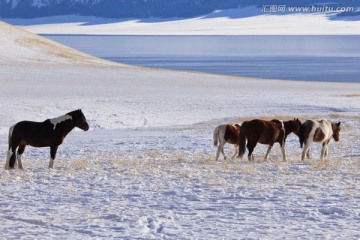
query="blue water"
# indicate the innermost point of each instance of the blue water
(310, 58)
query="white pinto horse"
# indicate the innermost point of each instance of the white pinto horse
(318, 131)
(226, 133)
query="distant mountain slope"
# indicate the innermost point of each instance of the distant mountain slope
(22, 48)
(143, 8)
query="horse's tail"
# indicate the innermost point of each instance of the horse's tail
(302, 135)
(216, 136)
(10, 136)
(242, 138)
(10, 160)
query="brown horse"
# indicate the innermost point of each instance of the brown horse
(266, 132)
(50, 133)
(318, 131)
(226, 133)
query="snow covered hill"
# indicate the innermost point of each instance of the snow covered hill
(143, 8)
(23, 48)
(183, 17)
(146, 168)
(241, 21)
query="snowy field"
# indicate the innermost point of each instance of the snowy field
(146, 168)
(244, 21)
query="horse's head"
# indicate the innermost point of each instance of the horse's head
(79, 119)
(296, 126)
(336, 131)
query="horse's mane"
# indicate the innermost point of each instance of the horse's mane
(73, 112)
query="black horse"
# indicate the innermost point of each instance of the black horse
(50, 133)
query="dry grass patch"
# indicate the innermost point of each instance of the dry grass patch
(57, 49)
(81, 164)
(201, 160)
(180, 157)
(337, 115)
(326, 164)
(62, 51)
(155, 155)
(277, 162)
(353, 95)
(320, 165)
(276, 116)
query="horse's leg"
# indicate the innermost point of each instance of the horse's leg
(10, 163)
(323, 150)
(251, 147)
(284, 153)
(327, 148)
(306, 150)
(282, 145)
(222, 149)
(218, 152)
(268, 152)
(236, 151)
(53, 150)
(20, 151)
(308, 155)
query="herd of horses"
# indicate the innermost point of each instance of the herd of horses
(250, 133)
(52, 132)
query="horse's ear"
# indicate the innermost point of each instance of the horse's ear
(338, 124)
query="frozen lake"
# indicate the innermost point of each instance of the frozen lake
(310, 58)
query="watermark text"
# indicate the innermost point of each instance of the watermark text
(308, 9)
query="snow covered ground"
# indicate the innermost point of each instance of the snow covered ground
(146, 168)
(244, 21)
